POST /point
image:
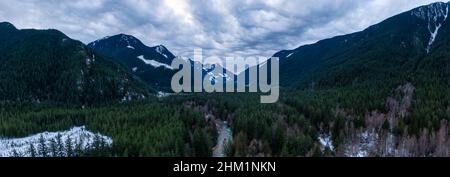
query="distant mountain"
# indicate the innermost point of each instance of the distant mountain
(400, 47)
(151, 64)
(46, 65)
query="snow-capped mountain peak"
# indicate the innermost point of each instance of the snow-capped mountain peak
(127, 39)
(433, 11)
(161, 50)
(120, 41)
(435, 15)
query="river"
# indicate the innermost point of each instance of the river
(225, 136)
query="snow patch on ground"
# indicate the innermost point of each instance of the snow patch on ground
(435, 14)
(154, 63)
(366, 142)
(78, 135)
(213, 76)
(126, 39)
(434, 33)
(290, 55)
(326, 142)
(160, 49)
(129, 96)
(163, 94)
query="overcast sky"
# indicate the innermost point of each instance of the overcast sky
(220, 27)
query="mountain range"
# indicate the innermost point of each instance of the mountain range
(379, 92)
(151, 64)
(398, 47)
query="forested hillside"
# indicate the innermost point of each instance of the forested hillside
(379, 92)
(46, 65)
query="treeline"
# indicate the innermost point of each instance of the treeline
(59, 147)
(137, 129)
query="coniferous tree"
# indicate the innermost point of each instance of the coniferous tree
(386, 125)
(69, 147)
(79, 147)
(15, 153)
(31, 150)
(201, 144)
(42, 147)
(60, 145)
(53, 148)
(96, 143)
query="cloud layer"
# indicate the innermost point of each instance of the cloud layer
(220, 27)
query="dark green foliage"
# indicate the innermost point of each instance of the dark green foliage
(60, 146)
(32, 150)
(46, 65)
(69, 147)
(330, 87)
(42, 148)
(137, 129)
(201, 143)
(53, 148)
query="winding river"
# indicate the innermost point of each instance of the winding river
(225, 136)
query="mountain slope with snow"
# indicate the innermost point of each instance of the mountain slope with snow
(151, 64)
(435, 14)
(79, 138)
(391, 48)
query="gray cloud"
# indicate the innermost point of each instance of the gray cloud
(220, 27)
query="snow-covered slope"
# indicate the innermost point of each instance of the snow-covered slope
(435, 15)
(154, 63)
(150, 64)
(162, 50)
(79, 136)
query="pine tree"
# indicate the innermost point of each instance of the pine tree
(69, 147)
(79, 147)
(53, 148)
(201, 144)
(125, 153)
(42, 147)
(386, 125)
(15, 153)
(60, 145)
(31, 150)
(102, 150)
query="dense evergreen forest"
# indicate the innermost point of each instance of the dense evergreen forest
(178, 125)
(381, 92)
(137, 129)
